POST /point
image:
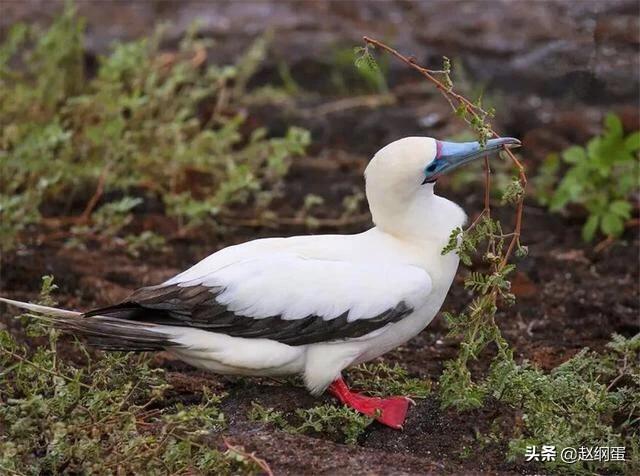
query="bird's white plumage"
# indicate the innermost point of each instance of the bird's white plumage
(399, 260)
(295, 278)
(294, 286)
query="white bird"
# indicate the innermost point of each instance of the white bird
(308, 305)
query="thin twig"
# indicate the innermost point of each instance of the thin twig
(91, 205)
(429, 74)
(604, 244)
(477, 111)
(42, 369)
(11, 471)
(621, 373)
(252, 456)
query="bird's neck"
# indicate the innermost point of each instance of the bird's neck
(425, 218)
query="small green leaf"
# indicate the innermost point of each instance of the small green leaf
(522, 251)
(612, 225)
(594, 148)
(574, 154)
(614, 125)
(621, 208)
(632, 142)
(590, 227)
(446, 64)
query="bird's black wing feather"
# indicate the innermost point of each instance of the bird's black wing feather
(196, 306)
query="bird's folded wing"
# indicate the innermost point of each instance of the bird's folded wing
(283, 296)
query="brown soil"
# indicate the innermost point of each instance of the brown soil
(569, 295)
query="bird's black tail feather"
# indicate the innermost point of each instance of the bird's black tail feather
(108, 333)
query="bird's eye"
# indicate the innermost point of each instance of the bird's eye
(432, 167)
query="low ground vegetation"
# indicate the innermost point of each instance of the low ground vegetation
(146, 125)
(104, 415)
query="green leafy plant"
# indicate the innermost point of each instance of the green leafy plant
(601, 177)
(341, 423)
(590, 400)
(383, 380)
(368, 75)
(149, 124)
(111, 218)
(104, 416)
(145, 242)
(267, 415)
(334, 421)
(477, 326)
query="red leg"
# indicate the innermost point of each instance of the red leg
(390, 411)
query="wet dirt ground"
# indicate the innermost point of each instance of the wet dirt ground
(555, 68)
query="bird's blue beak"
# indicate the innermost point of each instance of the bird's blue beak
(451, 155)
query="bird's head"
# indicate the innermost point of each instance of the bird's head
(402, 174)
(408, 164)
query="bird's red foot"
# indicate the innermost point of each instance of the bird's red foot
(390, 411)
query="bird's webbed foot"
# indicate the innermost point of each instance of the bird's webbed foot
(390, 411)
